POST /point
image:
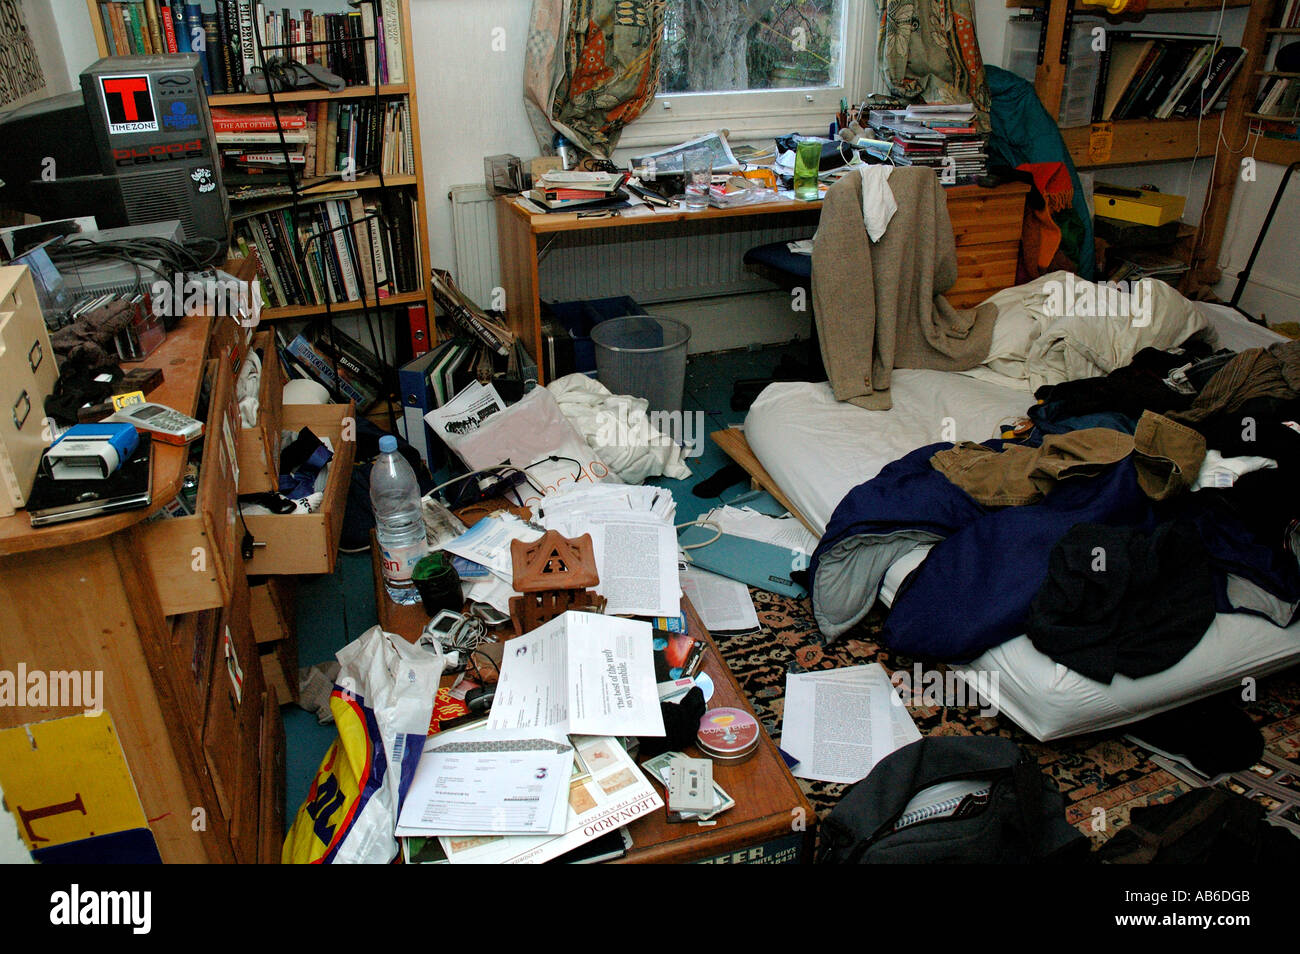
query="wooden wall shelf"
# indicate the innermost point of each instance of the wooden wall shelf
(1140, 141)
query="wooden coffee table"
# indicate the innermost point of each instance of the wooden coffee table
(772, 821)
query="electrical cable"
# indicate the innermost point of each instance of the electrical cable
(717, 532)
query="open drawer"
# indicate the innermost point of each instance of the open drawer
(259, 445)
(192, 558)
(309, 543)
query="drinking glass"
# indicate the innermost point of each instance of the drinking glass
(807, 163)
(698, 167)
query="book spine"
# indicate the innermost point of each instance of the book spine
(247, 53)
(147, 13)
(1220, 85)
(301, 349)
(168, 28)
(338, 236)
(179, 27)
(236, 48)
(131, 17)
(113, 17)
(392, 16)
(223, 48)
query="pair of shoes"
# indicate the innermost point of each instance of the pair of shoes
(282, 75)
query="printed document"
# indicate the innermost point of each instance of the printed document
(840, 722)
(724, 605)
(512, 783)
(605, 791)
(583, 673)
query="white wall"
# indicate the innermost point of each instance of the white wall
(75, 34)
(44, 28)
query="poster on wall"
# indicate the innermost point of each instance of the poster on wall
(20, 68)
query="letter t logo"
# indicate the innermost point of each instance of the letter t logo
(126, 87)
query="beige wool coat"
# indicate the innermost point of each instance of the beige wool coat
(880, 306)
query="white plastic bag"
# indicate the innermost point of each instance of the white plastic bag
(382, 704)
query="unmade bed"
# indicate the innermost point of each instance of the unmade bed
(816, 449)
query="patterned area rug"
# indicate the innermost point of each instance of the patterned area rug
(1102, 775)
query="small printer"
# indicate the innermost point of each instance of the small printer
(91, 451)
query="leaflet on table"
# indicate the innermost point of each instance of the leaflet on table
(598, 498)
(724, 605)
(671, 160)
(606, 791)
(581, 672)
(504, 782)
(488, 542)
(840, 722)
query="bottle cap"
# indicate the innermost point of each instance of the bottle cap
(387, 444)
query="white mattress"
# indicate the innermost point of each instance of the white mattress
(818, 449)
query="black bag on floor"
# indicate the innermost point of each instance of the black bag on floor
(1203, 826)
(1007, 811)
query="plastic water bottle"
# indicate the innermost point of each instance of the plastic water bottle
(399, 523)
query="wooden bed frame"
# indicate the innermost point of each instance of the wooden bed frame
(733, 444)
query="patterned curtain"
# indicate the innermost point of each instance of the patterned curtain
(591, 67)
(928, 52)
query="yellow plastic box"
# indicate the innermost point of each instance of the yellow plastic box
(1150, 208)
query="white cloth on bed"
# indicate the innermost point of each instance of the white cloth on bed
(1047, 331)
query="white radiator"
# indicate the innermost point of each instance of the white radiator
(600, 263)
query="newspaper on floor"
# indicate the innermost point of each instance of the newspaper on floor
(785, 531)
(607, 791)
(840, 722)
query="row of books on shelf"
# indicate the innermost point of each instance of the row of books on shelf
(335, 249)
(1280, 98)
(1162, 75)
(346, 368)
(228, 34)
(1290, 18)
(319, 139)
(943, 137)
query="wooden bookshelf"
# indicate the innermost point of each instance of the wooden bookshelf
(369, 182)
(308, 95)
(1144, 141)
(1140, 141)
(299, 312)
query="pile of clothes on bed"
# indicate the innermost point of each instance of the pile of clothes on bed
(1149, 496)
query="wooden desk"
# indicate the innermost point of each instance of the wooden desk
(772, 822)
(986, 224)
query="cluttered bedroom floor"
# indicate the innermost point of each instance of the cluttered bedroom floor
(1103, 776)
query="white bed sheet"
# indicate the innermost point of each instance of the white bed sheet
(818, 449)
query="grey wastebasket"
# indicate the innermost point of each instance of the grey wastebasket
(645, 356)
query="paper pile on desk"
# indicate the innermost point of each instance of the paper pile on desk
(634, 541)
(840, 722)
(513, 783)
(606, 791)
(581, 672)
